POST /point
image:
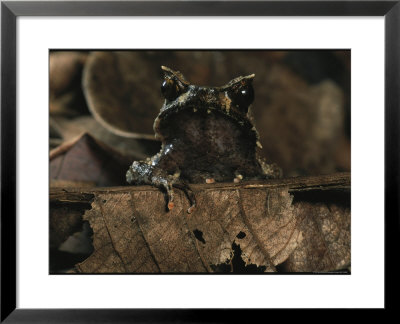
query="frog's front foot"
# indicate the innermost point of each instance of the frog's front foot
(167, 182)
(144, 173)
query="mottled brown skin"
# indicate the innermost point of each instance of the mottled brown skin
(206, 136)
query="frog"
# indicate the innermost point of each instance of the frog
(207, 136)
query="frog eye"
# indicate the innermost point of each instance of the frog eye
(170, 89)
(242, 96)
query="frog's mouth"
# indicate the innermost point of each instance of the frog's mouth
(223, 107)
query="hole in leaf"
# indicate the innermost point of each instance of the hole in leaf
(199, 235)
(241, 235)
(222, 267)
(282, 267)
(236, 263)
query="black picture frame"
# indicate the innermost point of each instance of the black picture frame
(10, 10)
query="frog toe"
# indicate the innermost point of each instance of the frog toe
(191, 209)
(170, 205)
(189, 194)
(238, 177)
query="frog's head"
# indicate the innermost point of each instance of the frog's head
(233, 99)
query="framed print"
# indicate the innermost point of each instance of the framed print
(198, 148)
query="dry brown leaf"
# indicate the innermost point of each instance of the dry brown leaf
(326, 233)
(87, 160)
(65, 74)
(66, 219)
(236, 229)
(66, 129)
(118, 95)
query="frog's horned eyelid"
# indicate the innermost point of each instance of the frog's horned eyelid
(174, 74)
(168, 70)
(165, 68)
(248, 78)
